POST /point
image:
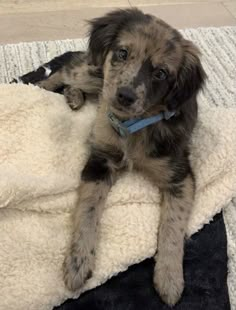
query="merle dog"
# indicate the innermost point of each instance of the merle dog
(140, 67)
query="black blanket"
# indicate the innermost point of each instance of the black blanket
(205, 271)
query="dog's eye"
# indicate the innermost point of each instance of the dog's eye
(161, 75)
(123, 54)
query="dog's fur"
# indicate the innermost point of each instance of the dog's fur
(160, 151)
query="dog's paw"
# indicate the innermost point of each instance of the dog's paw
(169, 282)
(74, 97)
(77, 269)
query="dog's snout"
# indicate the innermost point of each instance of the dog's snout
(126, 96)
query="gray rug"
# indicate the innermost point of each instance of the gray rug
(218, 46)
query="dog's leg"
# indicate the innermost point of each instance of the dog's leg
(176, 206)
(52, 82)
(74, 97)
(45, 71)
(97, 178)
(70, 74)
(79, 262)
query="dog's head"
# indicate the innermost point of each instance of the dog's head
(148, 66)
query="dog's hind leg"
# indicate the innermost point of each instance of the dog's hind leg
(47, 70)
(74, 97)
(69, 74)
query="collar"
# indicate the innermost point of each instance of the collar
(131, 126)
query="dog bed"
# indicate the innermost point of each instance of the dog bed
(42, 151)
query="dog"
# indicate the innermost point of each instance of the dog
(147, 77)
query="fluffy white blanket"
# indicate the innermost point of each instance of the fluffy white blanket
(42, 151)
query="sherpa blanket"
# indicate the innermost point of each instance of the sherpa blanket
(42, 151)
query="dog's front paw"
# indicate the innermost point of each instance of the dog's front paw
(169, 282)
(78, 267)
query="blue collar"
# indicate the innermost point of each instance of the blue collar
(128, 127)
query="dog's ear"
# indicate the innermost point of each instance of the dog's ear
(104, 30)
(190, 78)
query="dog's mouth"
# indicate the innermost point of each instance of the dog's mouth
(126, 112)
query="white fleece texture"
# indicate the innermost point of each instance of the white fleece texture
(42, 151)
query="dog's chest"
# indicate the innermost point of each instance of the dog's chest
(138, 155)
(135, 149)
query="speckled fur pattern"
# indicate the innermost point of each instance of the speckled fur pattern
(160, 151)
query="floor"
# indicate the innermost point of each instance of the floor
(37, 20)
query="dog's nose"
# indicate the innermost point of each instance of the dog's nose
(126, 96)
